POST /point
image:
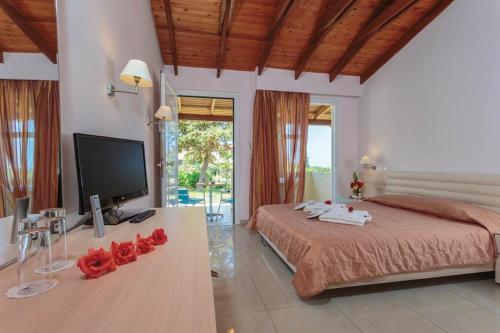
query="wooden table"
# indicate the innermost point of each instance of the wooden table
(167, 290)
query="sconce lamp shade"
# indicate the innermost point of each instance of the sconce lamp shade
(366, 161)
(164, 113)
(136, 73)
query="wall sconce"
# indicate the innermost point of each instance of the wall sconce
(164, 113)
(136, 73)
(366, 163)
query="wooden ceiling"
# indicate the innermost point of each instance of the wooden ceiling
(221, 109)
(28, 26)
(320, 114)
(351, 37)
(202, 108)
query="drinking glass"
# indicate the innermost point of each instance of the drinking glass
(28, 223)
(55, 220)
(34, 250)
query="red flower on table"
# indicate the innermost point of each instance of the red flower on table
(350, 209)
(158, 237)
(96, 263)
(357, 185)
(328, 202)
(143, 245)
(123, 253)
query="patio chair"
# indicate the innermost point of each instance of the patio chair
(185, 200)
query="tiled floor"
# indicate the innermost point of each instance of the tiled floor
(227, 215)
(225, 209)
(254, 294)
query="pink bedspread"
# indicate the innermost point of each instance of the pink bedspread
(423, 235)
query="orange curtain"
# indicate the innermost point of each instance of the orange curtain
(16, 115)
(24, 108)
(280, 123)
(46, 159)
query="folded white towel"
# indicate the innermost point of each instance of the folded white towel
(303, 204)
(357, 217)
(343, 222)
(324, 207)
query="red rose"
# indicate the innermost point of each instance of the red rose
(143, 245)
(350, 208)
(352, 184)
(96, 263)
(123, 253)
(361, 184)
(158, 237)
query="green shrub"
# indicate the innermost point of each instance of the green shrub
(319, 169)
(188, 179)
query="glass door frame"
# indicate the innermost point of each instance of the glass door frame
(167, 199)
(237, 144)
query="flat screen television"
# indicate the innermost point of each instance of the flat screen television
(113, 168)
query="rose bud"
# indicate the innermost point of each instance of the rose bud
(123, 253)
(350, 208)
(143, 245)
(158, 237)
(328, 202)
(96, 263)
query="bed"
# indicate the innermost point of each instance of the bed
(417, 232)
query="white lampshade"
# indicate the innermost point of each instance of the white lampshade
(366, 161)
(164, 113)
(136, 69)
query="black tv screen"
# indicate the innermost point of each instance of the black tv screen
(113, 168)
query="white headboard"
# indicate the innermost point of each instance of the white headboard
(480, 189)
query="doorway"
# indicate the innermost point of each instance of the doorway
(206, 156)
(320, 153)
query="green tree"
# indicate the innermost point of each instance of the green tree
(205, 142)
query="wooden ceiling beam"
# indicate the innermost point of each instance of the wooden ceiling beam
(22, 21)
(407, 37)
(284, 11)
(171, 34)
(226, 16)
(325, 122)
(204, 117)
(336, 12)
(321, 111)
(388, 13)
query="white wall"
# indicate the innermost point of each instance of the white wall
(435, 105)
(243, 84)
(27, 66)
(94, 45)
